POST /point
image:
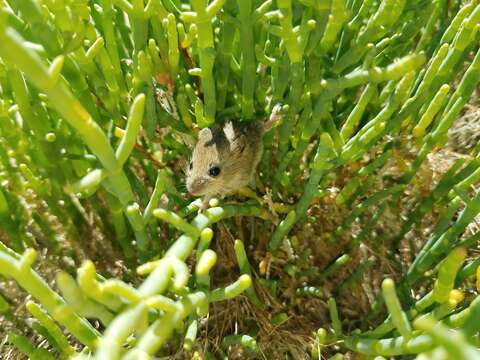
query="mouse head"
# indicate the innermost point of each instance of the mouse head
(216, 158)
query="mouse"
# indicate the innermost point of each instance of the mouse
(225, 157)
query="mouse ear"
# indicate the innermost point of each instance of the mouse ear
(235, 137)
(238, 144)
(205, 134)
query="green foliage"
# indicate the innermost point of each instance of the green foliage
(100, 100)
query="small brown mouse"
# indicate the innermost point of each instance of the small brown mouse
(225, 157)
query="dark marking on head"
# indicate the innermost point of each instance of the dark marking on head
(209, 143)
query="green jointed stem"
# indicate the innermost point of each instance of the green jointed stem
(282, 230)
(138, 226)
(173, 53)
(118, 219)
(471, 326)
(44, 32)
(91, 287)
(59, 95)
(425, 41)
(202, 19)
(376, 126)
(139, 25)
(342, 260)
(110, 80)
(183, 108)
(79, 302)
(355, 116)
(446, 182)
(432, 110)
(156, 194)
(280, 77)
(388, 12)
(309, 291)
(172, 264)
(25, 346)
(336, 323)
(134, 123)
(61, 342)
(206, 262)
(190, 335)
(455, 24)
(363, 206)
(446, 240)
(447, 273)
(224, 57)
(105, 64)
(4, 305)
(87, 185)
(161, 302)
(245, 9)
(176, 221)
(111, 344)
(286, 31)
(158, 333)
(229, 292)
(460, 319)
(456, 52)
(360, 15)
(454, 342)
(111, 41)
(399, 318)
(245, 341)
(466, 183)
(339, 15)
(467, 271)
(245, 269)
(121, 290)
(440, 229)
(71, 110)
(432, 69)
(391, 346)
(21, 97)
(288, 119)
(206, 236)
(320, 165)
(20, 270)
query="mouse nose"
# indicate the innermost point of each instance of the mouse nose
(195, 187)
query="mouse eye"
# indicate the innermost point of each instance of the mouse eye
(214, 171)
(190, 166)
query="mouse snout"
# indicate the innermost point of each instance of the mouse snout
(196, 187)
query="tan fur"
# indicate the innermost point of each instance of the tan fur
(236, 148)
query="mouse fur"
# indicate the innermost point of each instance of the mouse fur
(234, 148)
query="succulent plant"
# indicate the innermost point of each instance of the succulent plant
(99, 104)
